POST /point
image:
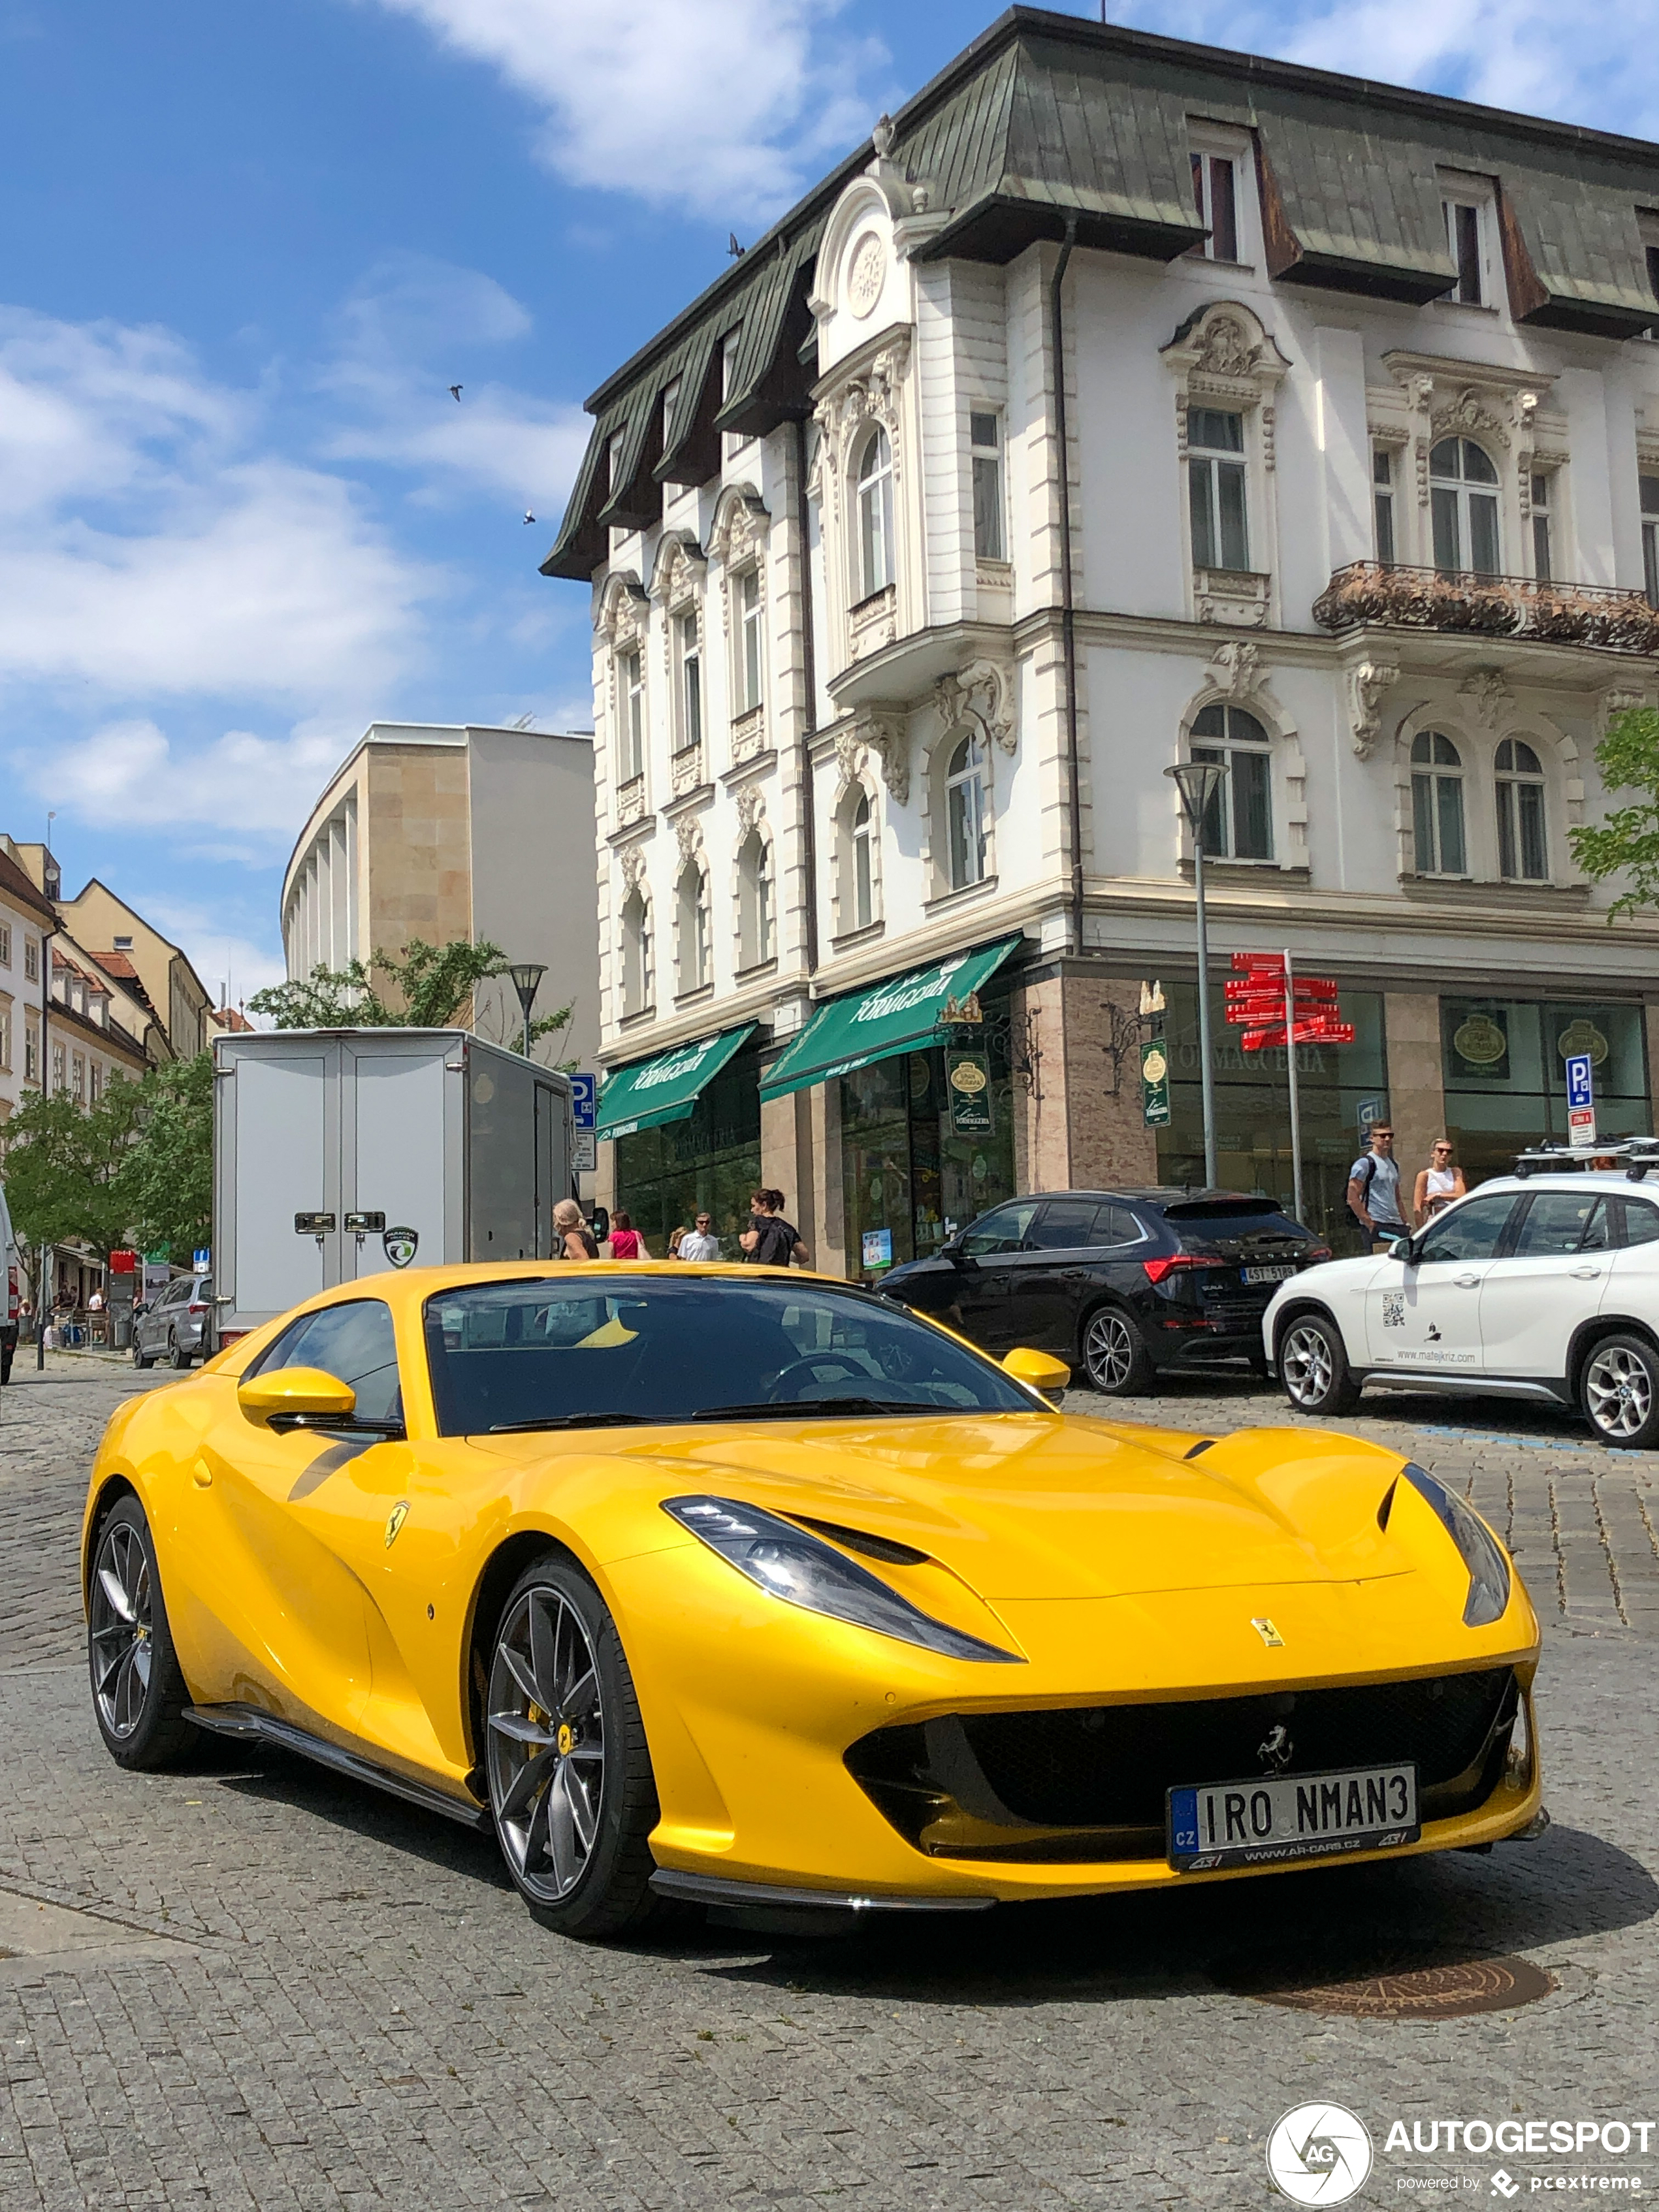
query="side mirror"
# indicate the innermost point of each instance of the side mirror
(297, 1396)
(1404, 1250)
(1038, 1372)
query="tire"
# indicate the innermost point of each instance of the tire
(1114, 1355)
(1618, 1390)
(8, 1353)
(178, 1358)
(138, 1693)
(1313, 1365)
(561, 1700)
(141, 1359)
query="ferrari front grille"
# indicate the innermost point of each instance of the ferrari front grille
(1089, 1782)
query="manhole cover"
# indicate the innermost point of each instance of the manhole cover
(1430, 1992)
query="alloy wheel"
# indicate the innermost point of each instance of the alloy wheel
(1618, 1391)
(1110, 1350)
(1304, 1363)
(122, 1626)
(546, 1748)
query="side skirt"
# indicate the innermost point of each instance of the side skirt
(249, 1723)
(1465, 1386)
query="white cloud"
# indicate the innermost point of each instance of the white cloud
(718, 106)
(1592, 65)
(218, 956)
(128, 775)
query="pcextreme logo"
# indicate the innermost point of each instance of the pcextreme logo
(1319, 2154)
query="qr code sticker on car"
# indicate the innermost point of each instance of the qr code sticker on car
(1393, 1309)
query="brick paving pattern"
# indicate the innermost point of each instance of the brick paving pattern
(250, 1985)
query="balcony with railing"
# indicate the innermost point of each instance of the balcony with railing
(1462, 601)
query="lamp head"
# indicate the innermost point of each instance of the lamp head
(527, 980)
(1198, 782)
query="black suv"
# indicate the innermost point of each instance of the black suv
(1122, 1283)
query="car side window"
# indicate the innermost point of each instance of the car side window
(1641, 1221)
(1066, 1224)
(1557, 1221)
(1470, 1232)
(1116, 1224)
(1004, 1230)
(353, 1342)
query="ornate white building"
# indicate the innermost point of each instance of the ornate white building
(1344, 401)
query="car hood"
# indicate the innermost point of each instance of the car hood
(1029, 1506)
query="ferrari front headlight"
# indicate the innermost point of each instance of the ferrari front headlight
(802, 1569)
(1481, 1553)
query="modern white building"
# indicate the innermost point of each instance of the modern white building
(1122, 402)
(446, 831)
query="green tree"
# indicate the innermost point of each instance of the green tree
(64, 1165)
(435, 984)
(166, 1179)
(1628, 841)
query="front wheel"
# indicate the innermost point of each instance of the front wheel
(178, 1358)
(1114, 1354)
(141, 1359)
(569, 1769)
(1313, 1365)
(1619, 1392)
(138, 1693)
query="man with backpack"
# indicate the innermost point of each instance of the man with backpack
(1374, 1191)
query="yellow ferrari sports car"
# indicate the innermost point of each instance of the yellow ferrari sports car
(753, 1588)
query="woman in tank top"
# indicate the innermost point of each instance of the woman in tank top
(1438, 1184)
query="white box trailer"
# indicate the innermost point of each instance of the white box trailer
(340, 1153)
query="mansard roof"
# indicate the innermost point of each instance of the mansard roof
(1046, 118)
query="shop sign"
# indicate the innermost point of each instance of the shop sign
(1155, 1084)
(967, 1078)
(1582, 1038)
(878, 1250)
(1481, 1045)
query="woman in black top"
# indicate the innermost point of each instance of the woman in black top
(769, 1241)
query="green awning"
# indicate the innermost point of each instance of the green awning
(654, 1091)
(905, 1014)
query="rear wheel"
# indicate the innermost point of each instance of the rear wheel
(178, 1358)
(569, 1769)
(1618, 1390)
(1313, 1365)
(1114, 1353)
(141, 1359)
(138, 1693)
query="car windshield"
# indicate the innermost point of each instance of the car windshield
(557, 1352)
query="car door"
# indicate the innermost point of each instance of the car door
(153, 1321)
(1633, 1268)
(1551, 1278)
(294, 1602)
(989, 1250)
(1426, 1316)
(1078, 1241)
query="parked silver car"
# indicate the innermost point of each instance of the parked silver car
(177, 1324)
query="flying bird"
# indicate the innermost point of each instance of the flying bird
(528, 516)
(736, 251)
(455, 391)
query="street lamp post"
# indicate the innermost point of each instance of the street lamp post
(527, 982)
(1199, 782)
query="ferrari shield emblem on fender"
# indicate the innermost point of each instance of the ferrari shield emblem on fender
(1269, 1635)
(395, 1521)
(401, 1245)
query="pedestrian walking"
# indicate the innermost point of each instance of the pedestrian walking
(700, 1241)
(576, 1239)
(675, 1239)
(626, 1242)
(1374, 1191)
(769, 1241)
(1438, 1184)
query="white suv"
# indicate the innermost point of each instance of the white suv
(1546, 1287)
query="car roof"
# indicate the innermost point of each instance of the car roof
(1161, 1195)
(1596, 1178)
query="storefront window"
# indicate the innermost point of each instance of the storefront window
(1343, 1088)
(912, 1175)
(1505, 1074)
(708, 1165)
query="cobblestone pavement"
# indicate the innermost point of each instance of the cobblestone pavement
(250, 1985)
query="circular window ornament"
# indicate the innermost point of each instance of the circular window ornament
(1319, 2154)
(866, 273)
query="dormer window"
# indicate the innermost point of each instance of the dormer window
(1469, 211)
(1215, 196)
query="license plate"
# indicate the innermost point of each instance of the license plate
(1278, 1274)
(1293, 1816)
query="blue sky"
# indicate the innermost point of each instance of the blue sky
(247, 249)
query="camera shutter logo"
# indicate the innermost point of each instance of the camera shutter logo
(1319, 2154)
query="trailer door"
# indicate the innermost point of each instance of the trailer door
(392, 1152)
(283, 1166)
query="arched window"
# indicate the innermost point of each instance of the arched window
(696, 954)
(1239, 824)
(754, 900)
(965, 811)
(863, 873)
(1463, 494)
(1523, 850)
(875, 515)
(1438, 806)
(635, 952)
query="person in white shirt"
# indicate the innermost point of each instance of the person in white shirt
(1438, 1184)
(701, 1243)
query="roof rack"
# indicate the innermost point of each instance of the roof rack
(1639, 1154)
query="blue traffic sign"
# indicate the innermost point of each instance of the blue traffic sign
(584, 1101)
(1581, 1089)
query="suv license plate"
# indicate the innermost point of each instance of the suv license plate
(1280, 1274)
(1263, 1822)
